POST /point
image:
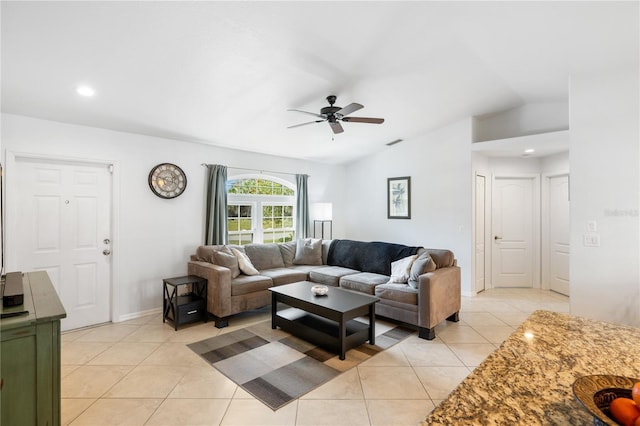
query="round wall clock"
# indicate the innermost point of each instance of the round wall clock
(167, 180)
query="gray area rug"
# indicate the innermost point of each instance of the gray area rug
(276, 367)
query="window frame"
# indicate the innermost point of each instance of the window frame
(258, 201)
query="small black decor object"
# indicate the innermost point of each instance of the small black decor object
(13, 293)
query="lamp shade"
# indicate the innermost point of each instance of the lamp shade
(322, 211)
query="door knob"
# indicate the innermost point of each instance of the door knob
(497, 238)
(106, 241)
(106, 252)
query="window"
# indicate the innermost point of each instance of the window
(260, 210)
(240, 223)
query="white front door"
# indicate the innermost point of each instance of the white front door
(559, 234)
(512, 228)
(63, 226)
(480, 233)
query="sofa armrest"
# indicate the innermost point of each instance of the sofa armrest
(218, 286)
(439, 296)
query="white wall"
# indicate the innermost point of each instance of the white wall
(156, 236)
(514, 165)
(554, 164)
(532, 118)
(605, 187)
(439, 164)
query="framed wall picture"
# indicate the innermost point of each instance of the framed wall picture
(399, 198)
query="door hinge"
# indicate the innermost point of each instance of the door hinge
(111, 168)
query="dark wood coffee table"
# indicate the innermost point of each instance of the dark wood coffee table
(327, 321)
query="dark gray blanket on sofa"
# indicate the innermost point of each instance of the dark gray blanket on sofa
(363, 256)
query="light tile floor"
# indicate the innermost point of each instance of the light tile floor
(140, 372)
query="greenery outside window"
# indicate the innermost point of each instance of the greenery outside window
(260, 210)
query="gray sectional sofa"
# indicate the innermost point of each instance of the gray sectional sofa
(415, 285)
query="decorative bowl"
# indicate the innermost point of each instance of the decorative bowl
(596, 392)
(319, 290)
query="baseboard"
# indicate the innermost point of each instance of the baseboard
(140, 314)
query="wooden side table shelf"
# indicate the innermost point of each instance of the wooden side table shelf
(184, 308)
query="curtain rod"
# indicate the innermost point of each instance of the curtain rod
(255, 170)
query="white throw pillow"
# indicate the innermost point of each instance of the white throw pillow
(400, 269)
(244, 263)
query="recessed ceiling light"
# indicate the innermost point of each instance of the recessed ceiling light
(85, 91)
(529, 151)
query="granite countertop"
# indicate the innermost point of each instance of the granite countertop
(528, 380)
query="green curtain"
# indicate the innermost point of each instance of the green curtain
(303, 223)
(216, 208)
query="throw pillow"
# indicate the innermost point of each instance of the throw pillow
(228, 260)
(308, 252)
(244, 263)
(264, 256)
(419, 267)
(288, 252)
(400, 269)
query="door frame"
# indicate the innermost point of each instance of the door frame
(487, 229)
(10, 191)
(545, 247)
(535, 177)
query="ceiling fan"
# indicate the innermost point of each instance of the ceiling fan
(334, 115)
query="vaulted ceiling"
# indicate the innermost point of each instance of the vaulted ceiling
(225, 73)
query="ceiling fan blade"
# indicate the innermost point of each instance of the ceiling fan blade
(364, 120)
(336, 127)
(304, 124)
(349, 109)
(307, 112)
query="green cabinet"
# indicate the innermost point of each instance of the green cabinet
(30, 356)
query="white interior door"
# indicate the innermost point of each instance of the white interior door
(512, 254)
(63, 226)
(559, 234)
(480, 233)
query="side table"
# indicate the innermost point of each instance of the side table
(184, 308)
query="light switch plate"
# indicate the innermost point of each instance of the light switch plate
(591, 240)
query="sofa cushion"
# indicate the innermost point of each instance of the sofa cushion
(400, 269)
(284, 275)
(326, 245)
(402, 293)
(205, 253)
(246, 284)
(227, 259)
(421, 265)
(288, 252)
(244, 263)
(308, 268)
(364, 282)
(308, 252)
(264, 256)
(373, 257)
(330, 275)
(442, 258)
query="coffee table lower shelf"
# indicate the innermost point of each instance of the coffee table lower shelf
(321, 331)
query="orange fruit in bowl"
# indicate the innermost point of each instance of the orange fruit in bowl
(625, 411)
(635, 393)
(637, 422)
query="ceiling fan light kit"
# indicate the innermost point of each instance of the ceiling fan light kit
(335, 114)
